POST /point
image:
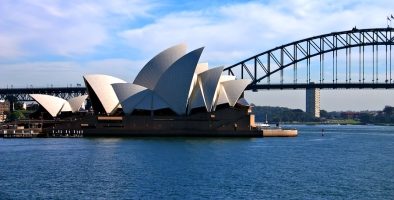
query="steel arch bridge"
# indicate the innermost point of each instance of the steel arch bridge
(291, 56)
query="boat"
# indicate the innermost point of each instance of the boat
(265, 126)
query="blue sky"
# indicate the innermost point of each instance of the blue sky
(57, 42)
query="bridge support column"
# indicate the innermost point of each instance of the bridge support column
(313, 101)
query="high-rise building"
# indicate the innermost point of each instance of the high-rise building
(313, 101)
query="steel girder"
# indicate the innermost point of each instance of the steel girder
(22, 94)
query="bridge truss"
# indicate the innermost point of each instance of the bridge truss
(22, 94)
(296, 55)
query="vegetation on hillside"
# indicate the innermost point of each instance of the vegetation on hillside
(287, 115)
(281, 114)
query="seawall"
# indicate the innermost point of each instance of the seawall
(280, 133)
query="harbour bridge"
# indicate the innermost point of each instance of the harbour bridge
(354, 59)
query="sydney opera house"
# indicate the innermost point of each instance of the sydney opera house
(173, 95)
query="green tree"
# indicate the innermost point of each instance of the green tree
(366, 118)
(17, 115)
(325, 114)
(381, 118)
(18, 105)
(388, 110)
(7, 114)
(12, 100)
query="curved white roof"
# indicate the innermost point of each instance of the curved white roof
(226, 78)
(196, 98)
(151, 102)
(66, 107)
(175, 84)
(209, 81)
(101, 86)
(130, 95)
(158, 103)
(146, 102)
(201, 67)
(234, 89)
(51, 103)
(154, 69)
(221, 97)
(76, 102)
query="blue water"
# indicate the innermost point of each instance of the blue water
(349, 162)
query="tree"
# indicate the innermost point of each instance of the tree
(366, 118)
(12, 100)
(17, 115)
(325, 114)
(18, 105)
(7, 114)
(388, 110)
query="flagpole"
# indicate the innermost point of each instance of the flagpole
(391, 18)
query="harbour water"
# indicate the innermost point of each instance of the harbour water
(348, 162)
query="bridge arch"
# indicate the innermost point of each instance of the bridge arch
(279, 58)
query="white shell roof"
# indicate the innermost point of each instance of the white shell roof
(158, 103)
(209, 81)
(154, 69)
(226, 78)
(201, 67)
(101, 85)
(174, 86)
(51, 103)
(130, 95)
(66, 107)
(151, 102)
(196, 98)
(222, 97)
(76, 102)
(146, 102)
(234, 89)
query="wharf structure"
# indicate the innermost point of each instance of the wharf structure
(173, 95)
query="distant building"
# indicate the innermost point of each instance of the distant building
(313, 101)
(350, 115)
(4, 106)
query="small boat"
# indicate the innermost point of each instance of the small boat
(266, 125)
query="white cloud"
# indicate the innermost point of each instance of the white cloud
(64, 28)
(235, 32)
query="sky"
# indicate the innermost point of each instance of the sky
(44, 43)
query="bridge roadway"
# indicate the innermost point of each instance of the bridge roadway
(22, 94)
(320, 86)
